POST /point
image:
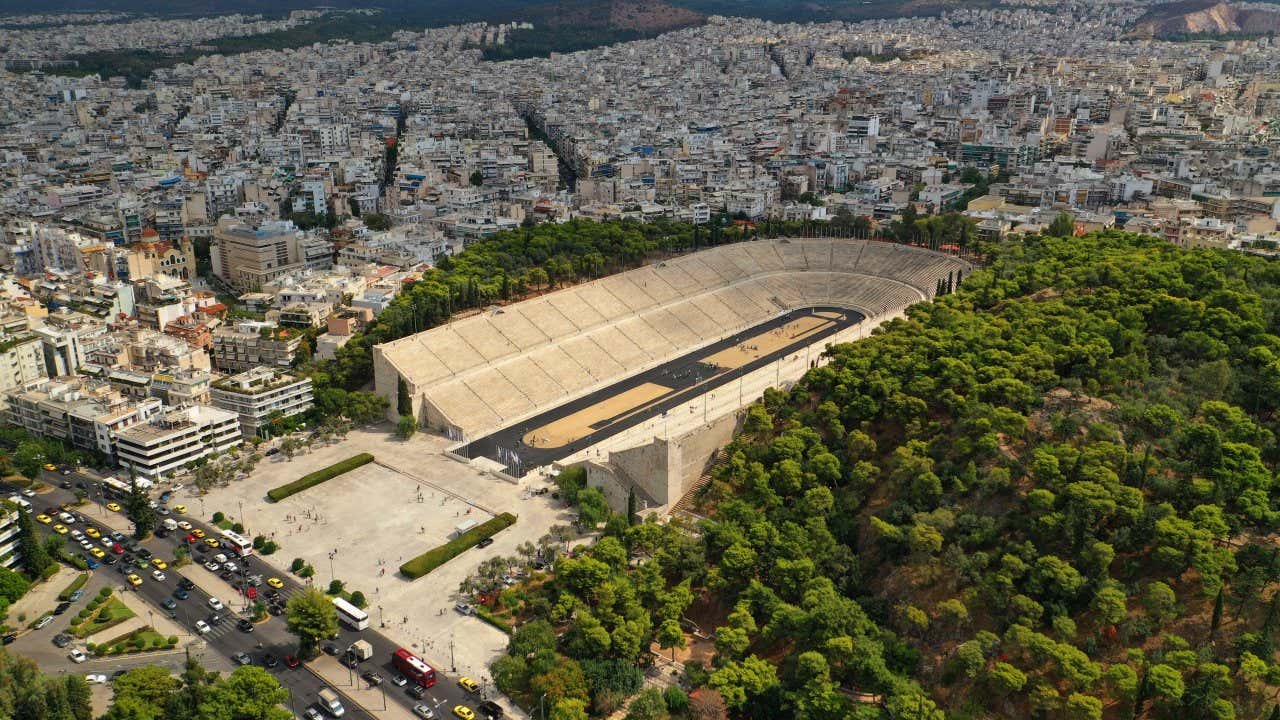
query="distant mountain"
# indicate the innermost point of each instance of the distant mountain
(1197, 18)
(643, 16)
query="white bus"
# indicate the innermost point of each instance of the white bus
(353, 616)
(237, 543)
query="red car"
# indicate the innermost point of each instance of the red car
(291, 660)
(191, 539)
(251, 593)
(117, 549)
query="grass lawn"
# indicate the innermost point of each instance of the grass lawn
(111, 613)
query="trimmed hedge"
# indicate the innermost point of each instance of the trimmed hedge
(75, 585)
(487, 615)
(435, 557)
(319, 476)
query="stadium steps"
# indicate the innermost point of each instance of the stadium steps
(690, 496)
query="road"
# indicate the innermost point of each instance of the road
(267, 637)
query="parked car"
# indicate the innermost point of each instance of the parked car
(244, 625)
(44, 622)
(484, 543)
(96, 679)
(243, 658)
(216, 604)
(291, 661)
(202, 627)
(424, 712)
(491, 710)
(77, 655)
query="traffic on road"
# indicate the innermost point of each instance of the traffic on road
(221, 616)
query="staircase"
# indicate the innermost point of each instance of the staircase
(690, 496)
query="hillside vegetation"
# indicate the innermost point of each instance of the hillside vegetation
(1048, 495)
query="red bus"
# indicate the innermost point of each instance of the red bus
(413, 668)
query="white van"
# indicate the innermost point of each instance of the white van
(329, 701)
(170, 524)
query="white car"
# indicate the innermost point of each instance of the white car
(424, 712)
(202, 627)
(228, 565)
(212, 566)
(28, 492)
(107, 542)
(159, 576)
(76, 535)
(220, 558)
(66, 518)
(216, 604)
(96, 679)
(184, 524)
(86, 543)
(44, 622)
(77, 655)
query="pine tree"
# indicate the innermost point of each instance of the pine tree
(35, 558)
(632, 519)
(1217, 615)
(404, 403)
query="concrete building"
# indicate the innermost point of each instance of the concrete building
(86, 413)
(247, 258)
(176, 437)
(9, 557)
(257, 395)
(251, 343)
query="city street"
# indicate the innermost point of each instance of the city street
(224, 641)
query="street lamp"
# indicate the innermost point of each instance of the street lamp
(331, 576)
(381, 622)
(542, 710)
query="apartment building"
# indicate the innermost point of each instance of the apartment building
(21, 362)
(174, 438)
(9, 557)
(247, 257)
(86, 413)
(258, 395)
(251, 343)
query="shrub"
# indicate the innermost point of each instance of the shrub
(218, 517)
(296, 565)
(83, 614)
(437, 556)
(258, 542)
(270, 547)
(357, 599)
(237, 528)
(104, 592)
(319, 476)
(49, 571)
(335, 587)
(171, 640)
(75, 585)
(158, 642)
(307, 572)
(91, 647)
(676, 699)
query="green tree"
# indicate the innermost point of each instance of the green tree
(1063, 225)
(138, 508)
(477, 178)
(35, 558)
(311, 617)
(249, 693)
(406, 427)
(670, 637)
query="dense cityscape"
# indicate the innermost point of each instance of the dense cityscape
(912, 368)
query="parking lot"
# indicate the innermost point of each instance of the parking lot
(381, 514)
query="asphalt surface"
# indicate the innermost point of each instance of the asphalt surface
(224, 639)
(685, 374)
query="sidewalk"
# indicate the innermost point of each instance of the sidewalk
(41, 598)
(350, 685)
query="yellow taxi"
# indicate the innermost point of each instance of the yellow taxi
(43, 519)
(134, 580)
(50, 467)
(113, 506)
(275, 582)
(180, 509)
(197, 532)
(468, 684)
(464, 712)
(159, 564)
(212, 542)
(97, 552)
(92, 532)
(60, 529)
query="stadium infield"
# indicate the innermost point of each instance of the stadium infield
(568, 428)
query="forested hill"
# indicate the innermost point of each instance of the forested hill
(1049, 495)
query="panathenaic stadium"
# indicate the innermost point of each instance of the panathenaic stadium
(642, 375)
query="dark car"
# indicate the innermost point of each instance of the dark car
(214, 619)
(269, 661)
(169, 603)
(244, 625)
(330, 649)
(65, 484)
(118, 673)
(62, 607)
(181, 594)
(485, 543)
(275, 609)
(373, 678)
(226, 574)
(271, 595)
(144, 553)
(110, 559)
(118, 536)
(62, 640)
(490, 709)
(160, 532)
(8, 638)
(186, 584)
(272, 451)
(416, 691)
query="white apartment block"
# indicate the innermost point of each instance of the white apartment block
(9, 557)
(257, 395)
(174, 438)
